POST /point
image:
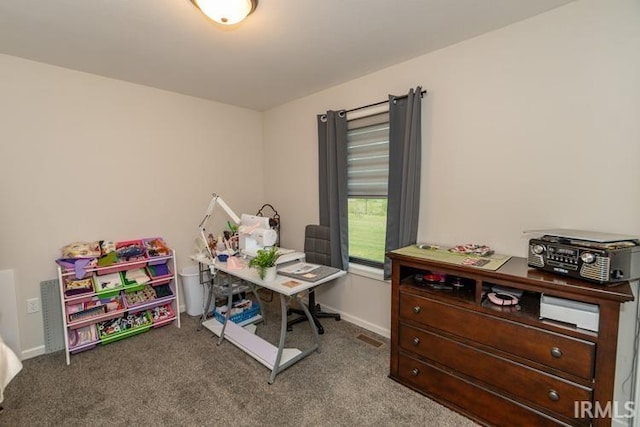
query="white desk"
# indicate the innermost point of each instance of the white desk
(275, 358)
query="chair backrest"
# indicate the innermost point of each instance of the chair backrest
(317, 246)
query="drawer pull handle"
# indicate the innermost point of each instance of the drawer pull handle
(556, 352)
(417, 309)
(415, 372)
(416, 340)
(553, 395)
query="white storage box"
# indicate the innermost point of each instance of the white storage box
(581, 314)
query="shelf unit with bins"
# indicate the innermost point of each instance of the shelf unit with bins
(502, 365)
(88, 313)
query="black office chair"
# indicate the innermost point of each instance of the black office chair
(317, 250)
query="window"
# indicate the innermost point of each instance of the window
(367, 176)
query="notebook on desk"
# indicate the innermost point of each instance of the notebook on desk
(307, 272)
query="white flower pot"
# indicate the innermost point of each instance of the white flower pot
(270, 274)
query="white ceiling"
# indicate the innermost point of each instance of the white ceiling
(285, 50)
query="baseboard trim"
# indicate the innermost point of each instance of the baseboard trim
(358, 321)
(32, 352)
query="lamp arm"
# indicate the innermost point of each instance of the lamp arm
(228, 210)
(215, 200)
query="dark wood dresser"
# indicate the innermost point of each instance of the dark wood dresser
(499, 365)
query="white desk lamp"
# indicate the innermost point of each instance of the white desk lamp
(215, 200)
(254, 231)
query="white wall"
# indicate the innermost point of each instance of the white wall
(535, 125)
(89, 158)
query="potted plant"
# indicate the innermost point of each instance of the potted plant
(265, 263)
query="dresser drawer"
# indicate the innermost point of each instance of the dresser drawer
(463, 394)
(557, 351)
(545, 390)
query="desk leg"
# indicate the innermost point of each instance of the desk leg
(283, 334)
(254, 289)
(312, 324)
(209, 286)
(226, 317)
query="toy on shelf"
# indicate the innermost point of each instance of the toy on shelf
(82, 336)
(161, 313)
(108, 282)
(156, 247)
(122, 324)
(81, 250)
(73, 286)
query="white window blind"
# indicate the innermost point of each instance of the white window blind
(368, 156)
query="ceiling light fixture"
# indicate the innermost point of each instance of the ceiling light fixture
(226, 12)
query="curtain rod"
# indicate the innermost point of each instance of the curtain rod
(375, 104)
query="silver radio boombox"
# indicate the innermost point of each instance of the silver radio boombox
(597, 257)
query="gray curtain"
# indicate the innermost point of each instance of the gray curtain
(404, 172)
(332, 156)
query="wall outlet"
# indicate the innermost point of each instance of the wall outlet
(33, 305)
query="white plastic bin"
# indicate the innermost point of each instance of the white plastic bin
(194, 292)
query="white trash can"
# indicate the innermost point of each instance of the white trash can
(194, 292)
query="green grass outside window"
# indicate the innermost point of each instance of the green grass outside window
(367, 228)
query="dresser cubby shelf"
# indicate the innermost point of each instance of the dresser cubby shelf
(528, 310)
(84, 312)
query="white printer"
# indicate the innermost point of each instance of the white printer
(581, 314)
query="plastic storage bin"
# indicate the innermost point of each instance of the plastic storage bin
(157, 250)
(240, 317)
(162, 315)
(160, 273)
(129, 254)
(122, 327)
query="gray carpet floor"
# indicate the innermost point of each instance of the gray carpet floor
(179, 376)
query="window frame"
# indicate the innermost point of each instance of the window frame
(384, 111)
